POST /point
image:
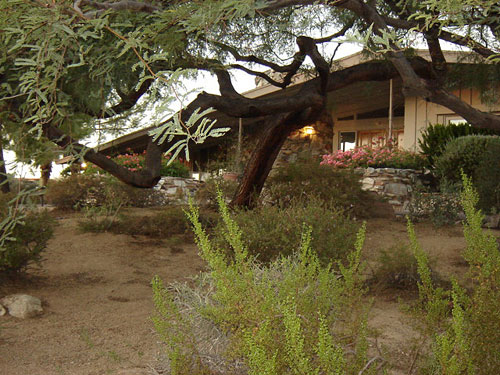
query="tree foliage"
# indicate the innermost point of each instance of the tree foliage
(69, 68)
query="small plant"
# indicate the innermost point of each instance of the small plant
(26, 242)
(333, 237)
(397, 269)
(292, 316)
(442, 208)
(98, 219)
(306, 180)
(207, 193)
(169, 221)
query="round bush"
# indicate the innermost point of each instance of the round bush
(479, 158)
(26, 240)
(271, 231)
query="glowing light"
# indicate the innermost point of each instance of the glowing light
(309, 130)
(84, 165)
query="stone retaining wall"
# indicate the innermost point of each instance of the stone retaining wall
(178, 189)
(391, 183)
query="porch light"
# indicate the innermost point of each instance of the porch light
(308, 130)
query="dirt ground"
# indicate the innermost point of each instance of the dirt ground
(96, 294)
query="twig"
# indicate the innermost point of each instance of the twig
(368, 364)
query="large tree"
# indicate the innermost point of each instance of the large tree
(70, 66)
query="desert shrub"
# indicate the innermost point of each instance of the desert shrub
(79, 191)
(398, 269)
(292, 316)
(207, 193)
(376, 157)
(469, 342)
(479, 158)
(306, 180)
(170, 221)
(98, 218)
(269, 232)
(73, 192)
(27, 240)
(435, 137)
(441, 208)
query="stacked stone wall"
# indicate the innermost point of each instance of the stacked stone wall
(391, 183)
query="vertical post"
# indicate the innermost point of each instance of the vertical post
(390, 109)
(240, 139)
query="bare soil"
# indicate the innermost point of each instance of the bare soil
(96, 294)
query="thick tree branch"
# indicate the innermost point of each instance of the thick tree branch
(439, 64)
(334, 35)
(146, 178)
(259, 74)
(459, 40)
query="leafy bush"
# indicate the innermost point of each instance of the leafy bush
(207, 193)
(170, 221)
(306, 180)
(434, 139)
(79, 191)
(469, 342)
(292, 316)
(27, 237)
(98, 219)
(136, 162)
(398, 269)
(442, 208)
(269, 232)
(366, 156)
(479, 158)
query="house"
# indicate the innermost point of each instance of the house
(364, 113)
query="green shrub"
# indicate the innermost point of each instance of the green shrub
(442, 208)
(434, 139)
(398, 269)
(26, 242)
(170, 221)
(306, 179)
(292, 316)
(271, 231)
(469, 341)
(79, 191)
(479, 158)
(207, 193)
(98, 219)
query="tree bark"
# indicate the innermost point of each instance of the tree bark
(45, 171)
(266, 152)
(4, 183)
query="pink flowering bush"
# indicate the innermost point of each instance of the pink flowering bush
(383, 157)
(135, 162)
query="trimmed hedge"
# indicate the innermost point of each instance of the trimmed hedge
(435, 138)
(478, 156)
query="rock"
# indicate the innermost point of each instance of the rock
(22, 305)
(367, 183)
(396, 188)
(491, 221)
(2, 311)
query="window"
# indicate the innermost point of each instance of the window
(347, 140)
